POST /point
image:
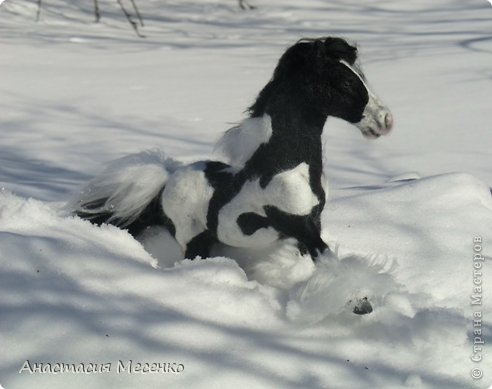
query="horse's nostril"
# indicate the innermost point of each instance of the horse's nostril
(388, 121)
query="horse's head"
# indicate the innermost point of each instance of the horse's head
(355, 101)
(325, 76)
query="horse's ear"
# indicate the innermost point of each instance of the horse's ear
(340, 49)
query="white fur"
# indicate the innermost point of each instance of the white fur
(128, 184)
(239, 143)
(289, 191)
(280, 264)
(376, 118)
(185, 201)
(249, 199)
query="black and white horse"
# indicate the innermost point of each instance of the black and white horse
(272, 187)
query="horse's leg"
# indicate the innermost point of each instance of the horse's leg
(200, 245)
(303, 228)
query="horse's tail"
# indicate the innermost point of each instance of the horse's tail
(127, 192)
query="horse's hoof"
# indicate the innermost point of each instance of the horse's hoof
(362, 307)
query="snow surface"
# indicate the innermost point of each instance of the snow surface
(403, 213)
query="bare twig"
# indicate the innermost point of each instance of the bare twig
(245, 5)
(39, 11)
(97, 14)
(130, 20)
(139, 16)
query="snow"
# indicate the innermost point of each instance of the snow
(404, 216)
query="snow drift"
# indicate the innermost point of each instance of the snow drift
(74, 292)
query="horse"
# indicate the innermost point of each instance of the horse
(272, 186)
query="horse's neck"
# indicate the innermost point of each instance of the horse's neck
(294, 140)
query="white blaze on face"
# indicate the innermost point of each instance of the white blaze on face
(376, 118)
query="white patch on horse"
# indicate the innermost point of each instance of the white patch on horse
(249, 199)
(239, 143)
(185, 201)
(376, 118)
(288, 191)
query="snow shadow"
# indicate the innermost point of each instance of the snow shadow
(85, 288)
(51, 153)
(124, 325)
(41, 179)
(388, 31)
